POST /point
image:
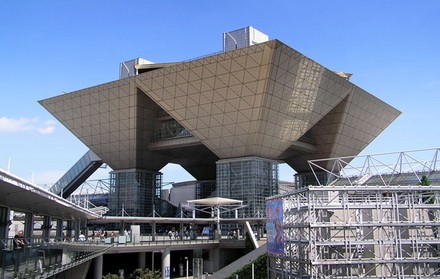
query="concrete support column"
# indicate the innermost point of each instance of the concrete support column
(46, 227)
(69, 228)
(216, 258)
(28, 225)
(122, 228)
(97, 266)
(59, 231)
(166, 260)
(76, 228)
(5, 221)
(83, 228)
(142, 257)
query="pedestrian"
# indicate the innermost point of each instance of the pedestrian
(19, 244)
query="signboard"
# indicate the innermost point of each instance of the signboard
(274, 226)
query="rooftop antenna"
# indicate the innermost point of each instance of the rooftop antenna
(9, 164)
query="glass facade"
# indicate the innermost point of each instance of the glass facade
(134, 193)
(171, 129)
(250, 179)
(307, 179)
(205, 189)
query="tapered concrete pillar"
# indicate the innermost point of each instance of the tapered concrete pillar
(5, 222)
(166, 260)
(97, 266)
(142, 257)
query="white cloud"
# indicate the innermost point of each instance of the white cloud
(8, 125)
(46, 130)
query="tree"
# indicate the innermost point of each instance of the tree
(425, 181)
(260, 269)
(145, 274)
(110, 276)
(248, 243)
(137, 274)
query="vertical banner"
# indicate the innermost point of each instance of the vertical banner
(274, 227)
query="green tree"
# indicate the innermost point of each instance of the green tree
(138, 274)
(260, 269)
(425, 181)
(248, 243)
(110, 276)
(145, 274)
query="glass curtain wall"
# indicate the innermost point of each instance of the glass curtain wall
(249, 179)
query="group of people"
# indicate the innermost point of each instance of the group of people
(173, 234)
(232, 234)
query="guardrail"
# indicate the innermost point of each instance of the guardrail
(41, 257)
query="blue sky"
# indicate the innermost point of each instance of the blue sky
(47, 47)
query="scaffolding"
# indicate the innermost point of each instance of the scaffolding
(352, 229)
(360, 232)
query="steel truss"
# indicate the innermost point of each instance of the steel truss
(378, 169)
(360, 232)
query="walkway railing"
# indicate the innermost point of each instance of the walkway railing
(42, 258)
(159, 240)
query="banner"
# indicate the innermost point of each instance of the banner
(274, 227)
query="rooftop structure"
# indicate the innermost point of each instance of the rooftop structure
(230, 117)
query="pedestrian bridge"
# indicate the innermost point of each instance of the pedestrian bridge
(44, 258)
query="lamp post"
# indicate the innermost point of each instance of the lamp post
(186, 258)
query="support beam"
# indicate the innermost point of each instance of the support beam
(142, 257)
(5, 221)
(166, 259)
(46, 227)
(97, 266)
(28, 225)
(69, 228)
(59, 230)
(76, 227)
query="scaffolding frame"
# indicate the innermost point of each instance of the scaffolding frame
(349, 227)
(357, 170)
(360, 232)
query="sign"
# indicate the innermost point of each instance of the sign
(274, 227)
(167, 272)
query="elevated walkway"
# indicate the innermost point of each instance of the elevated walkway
(40, 258)
(77, 175)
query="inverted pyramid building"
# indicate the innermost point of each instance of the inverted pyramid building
(264, 101)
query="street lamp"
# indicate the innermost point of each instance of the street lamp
(186, 258)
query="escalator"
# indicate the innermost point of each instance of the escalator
(77, 174)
